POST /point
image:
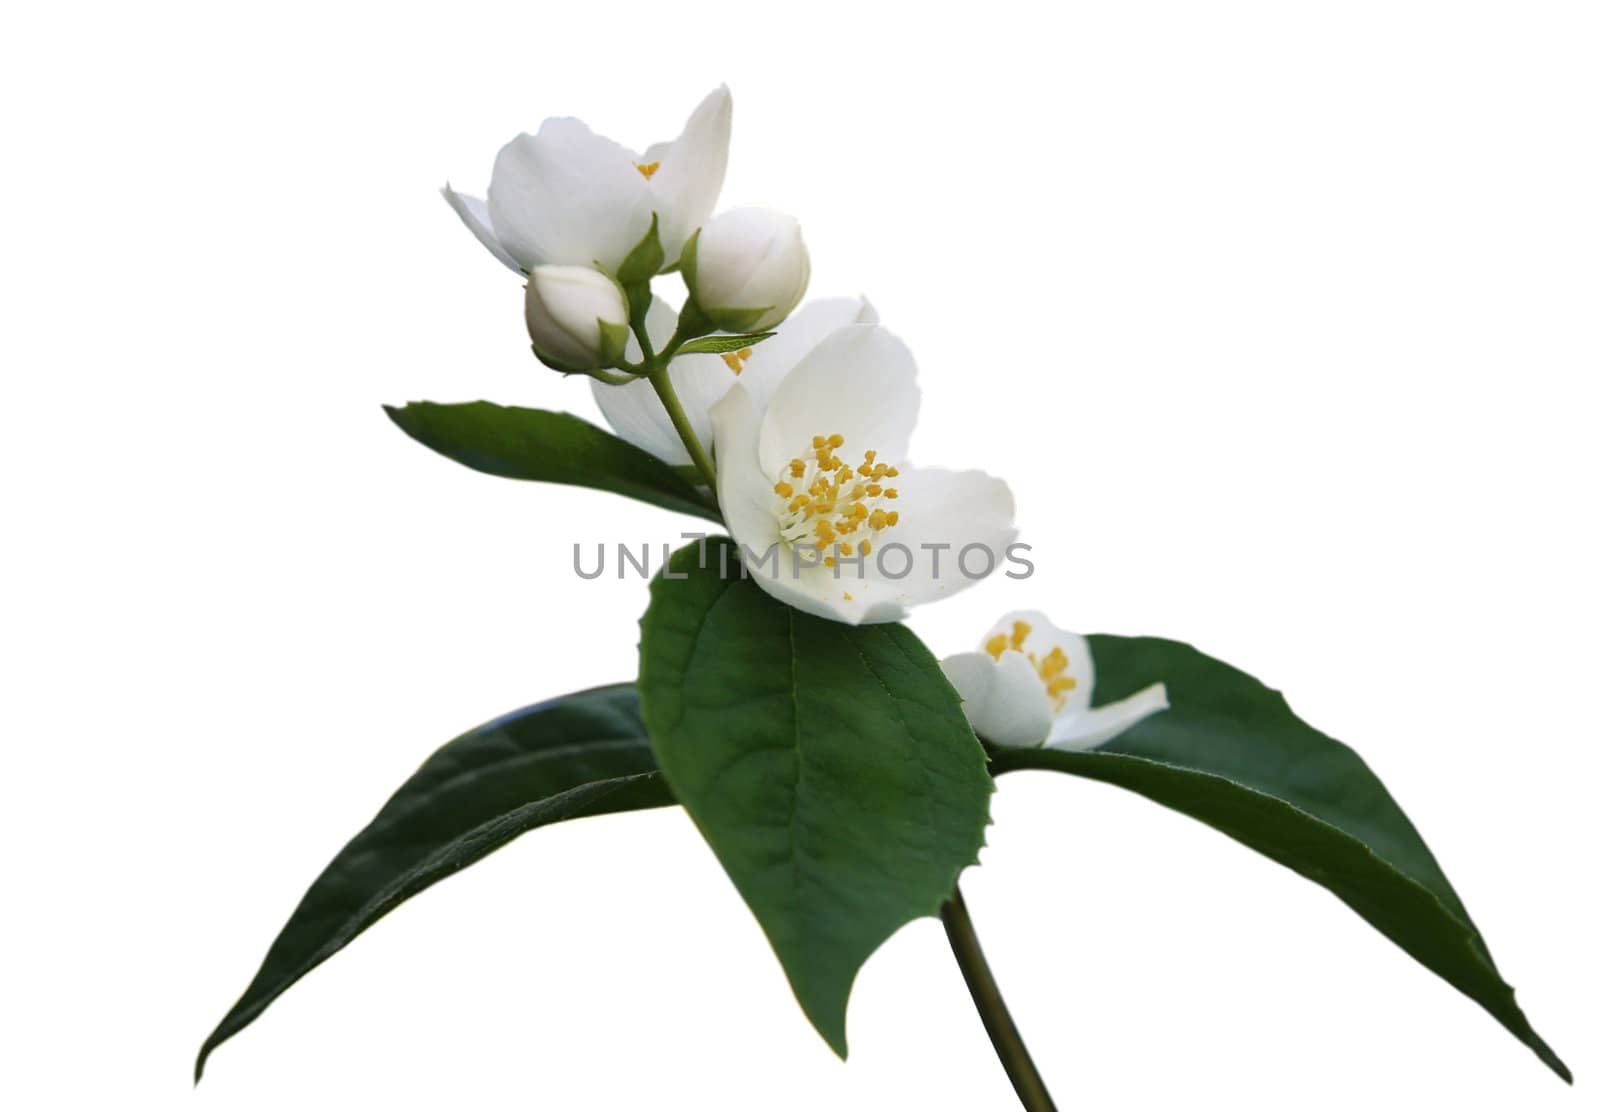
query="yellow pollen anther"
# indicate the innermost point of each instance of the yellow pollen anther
(648, 169)
(839, 501)
(1019, 634)
(996, 645)
(1053, 664)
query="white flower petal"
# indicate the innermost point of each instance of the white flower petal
(859, 382)
(1089, 728)
(771, 360)
(955, 525)
(568, 196)
(1040, 636)
(475, 215)
(744, 490)
(1003, 699)
(794, 579)
(692, 166)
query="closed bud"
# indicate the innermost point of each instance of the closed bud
(747, 269)
(577, 317)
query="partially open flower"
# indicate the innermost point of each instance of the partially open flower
(815, 489)
(748, 268)
(577, 317)
(569, 196)
(636, 413)
(1033, 684)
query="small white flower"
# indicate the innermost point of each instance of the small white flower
(577, 317)
(569, 196)
(635, 412)
(748, 269)
(1032, 684)
(814, 487)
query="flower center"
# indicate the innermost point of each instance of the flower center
(735, 359)
(1052, 668)
(825, 502)
(648, 169)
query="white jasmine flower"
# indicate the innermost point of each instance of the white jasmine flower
(569, 196)
(1032, 684)
(851, 541)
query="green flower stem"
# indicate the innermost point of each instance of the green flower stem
(991, 1006)
(680, 421)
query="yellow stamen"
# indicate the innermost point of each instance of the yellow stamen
(1019, 634)
(839, 500)
(648, 169)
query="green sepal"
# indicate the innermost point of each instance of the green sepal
(720, 345)
(738, 320)
(692, 322)
(613, 342)
(555, 366)
(639, 297)
(689, 259)
(644, 261)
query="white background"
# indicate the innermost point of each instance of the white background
(1279, 318)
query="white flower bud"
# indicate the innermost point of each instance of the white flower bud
(577, 317)
(748, 268)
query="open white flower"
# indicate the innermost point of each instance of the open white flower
(1032, 684)
(814, 487)
(569, 196)
(636, 414)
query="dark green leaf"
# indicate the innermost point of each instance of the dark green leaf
(646, 257)
(584, 754)
(829, 766)
(718, 345)
(547, 447)
(1232, 754)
